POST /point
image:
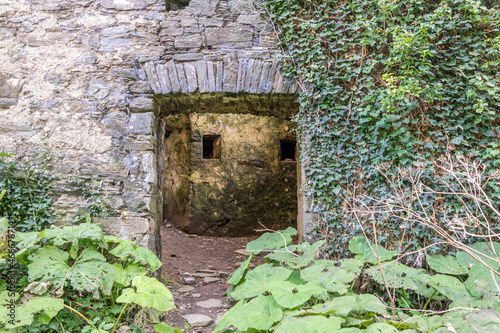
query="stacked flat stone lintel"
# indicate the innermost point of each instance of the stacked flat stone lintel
(82, 75)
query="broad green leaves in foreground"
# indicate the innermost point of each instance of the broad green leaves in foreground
(318, 296)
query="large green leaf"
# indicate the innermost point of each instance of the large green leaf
(4, 225)
(340, 306)
(238, 273)
(165, 328)
(309, 324)
(450, 286)
(258, 279)
(381, 327)
(149, 293)
(127, 250)
(26, 242)
(368, 250)
(289, 295)
(354, 265)
(260, 313)
(397, 275)
(48, 307)
(489, 249)
(124, 276)
(484, 321)
(90, 272)
(366, 303)
(445, 264)
(332, 278)
(309, 252)
(271, 241)
(76, 234)
(480, 282)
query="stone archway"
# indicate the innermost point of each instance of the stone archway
(225, 168)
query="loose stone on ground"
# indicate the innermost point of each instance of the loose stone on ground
(211, 303)
(198, 320)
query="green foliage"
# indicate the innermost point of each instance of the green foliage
(394, 82)
(77, 276)
(26, 195)
(148, 293)
(322, 296)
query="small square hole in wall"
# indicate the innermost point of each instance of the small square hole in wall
(288, 150)
(211, 146)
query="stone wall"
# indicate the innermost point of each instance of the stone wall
(82, 75)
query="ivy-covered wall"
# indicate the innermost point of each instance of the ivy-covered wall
(393, 83)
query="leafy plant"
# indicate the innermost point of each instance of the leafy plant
(389, 82)
(26, 195)
(77, 278)
(296, 292)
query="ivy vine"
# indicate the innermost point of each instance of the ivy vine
(388, 81)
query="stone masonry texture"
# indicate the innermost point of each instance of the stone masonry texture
(82, 76)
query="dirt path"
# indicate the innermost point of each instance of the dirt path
(209, 260)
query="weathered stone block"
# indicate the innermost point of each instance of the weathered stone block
(152, 76)
(6, 103)
(117, 37)
(230, 73)
(116, 123)
(188, 41)
(203, 7)
(182, 77)
(201, 71)
(10, 88)
(126, 4)
(172, 75)
(148, 168)
(162, 71)
(141, 104)
(124, 73)
(124, 226)
(251, 18)
(235, 37)
(238, 6)
(192, 79)
(187, 56)
(141, 123)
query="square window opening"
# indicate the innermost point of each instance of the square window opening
(211, 146)
(288, 150)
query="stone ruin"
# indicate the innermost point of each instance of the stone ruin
(179, 107)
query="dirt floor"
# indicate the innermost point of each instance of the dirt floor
(208, 259)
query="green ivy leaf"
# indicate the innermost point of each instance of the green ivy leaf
(368, 251)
